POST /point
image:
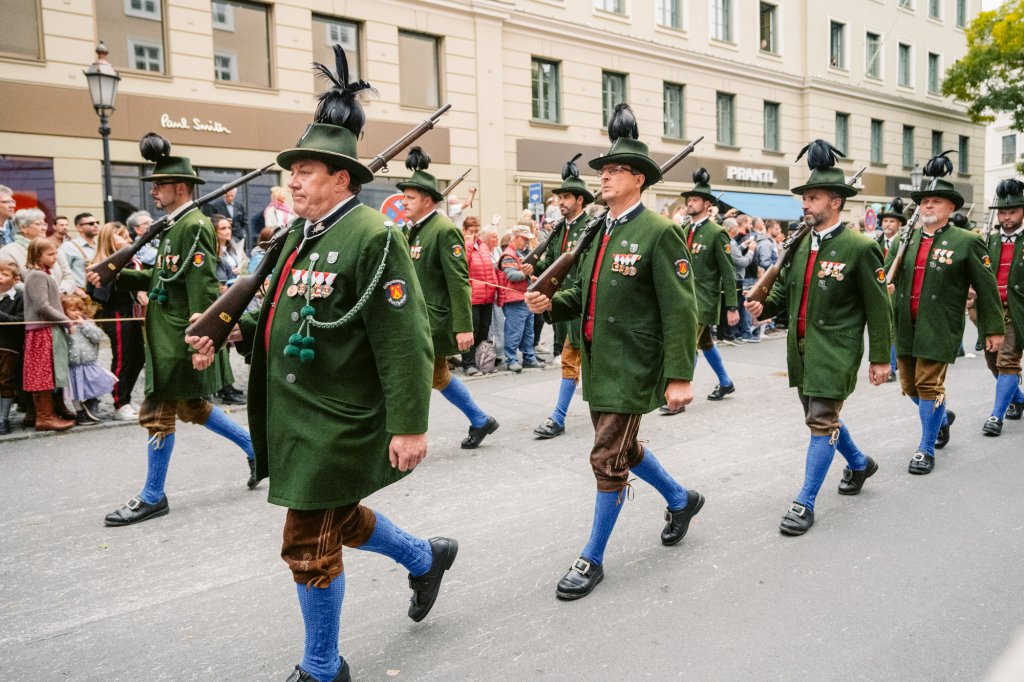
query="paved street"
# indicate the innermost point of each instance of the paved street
(918, 578)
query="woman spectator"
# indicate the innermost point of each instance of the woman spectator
(228, 268)
(127, 349)
(278, 213)
(483, 279)
(46, 348)
(489, 236)
(31, 223)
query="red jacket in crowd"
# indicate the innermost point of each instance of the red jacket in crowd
(517, 284)
(481, 270)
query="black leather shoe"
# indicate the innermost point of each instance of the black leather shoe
(921, 463)
(797, 521)
(300, 675)
(425, 587)
(476, 436)
(253, 481)
(231, 397)
(580, 581)
(677, 522)
(942, 439)
(1015, 411)
(721, 391)
(993, 427)
(853, 481)
(549, 429)
(664, 409)
(137, 510)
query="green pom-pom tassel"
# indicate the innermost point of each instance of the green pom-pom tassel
(291, 351)
(295, 340)
(306, 355)
(308, 341)
(307, 311)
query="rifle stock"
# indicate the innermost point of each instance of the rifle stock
(217, 321)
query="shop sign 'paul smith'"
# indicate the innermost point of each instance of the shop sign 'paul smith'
(195, 124)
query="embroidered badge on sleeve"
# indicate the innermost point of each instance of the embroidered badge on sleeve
(395, 292)
(682, 268)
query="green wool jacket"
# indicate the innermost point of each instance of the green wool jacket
(188, 256)
(1015, 287)
(565, 239)
(939, 329)
(439, 258)
(713, 272)
(645, 322)
(321, 429)
(847, 292)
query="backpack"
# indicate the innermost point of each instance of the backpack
(485, 356)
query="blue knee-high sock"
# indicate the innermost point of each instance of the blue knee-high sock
(714, 359)
(1006, 387)
(565, 391)
(321, 614)
(932, 418)
(160, 449)
(650, 471)
(220, 423)
(606, 511)
(458, 395)
(857, 460)
(410, 551)
(820, 452)
(892, 358)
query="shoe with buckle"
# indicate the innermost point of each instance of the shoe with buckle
(942, 439)
(1015, 411)
(921, 463)
(137, 510)
(300, 675)
(549, 429)
(678, 522)
(580, 581)
(476, 435)
(853, 481)
(797, 521)
(992, 427)
(253, 480)
(721, 391)
(668, 412)
(425, 587)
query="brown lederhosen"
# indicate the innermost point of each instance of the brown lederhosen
(820, 414)
(157, 416)
(312, 540)
(704, 340)
(1007, 359)
(571, 359)
(442, 375)
(616, 449)
(920, 378)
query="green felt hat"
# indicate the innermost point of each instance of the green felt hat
(331, 144)
(174, 169)
(943, 189)
(1009, 194)
(894, 210)
(572, 184)
(424, 182)
(701, 186)
(827, 179)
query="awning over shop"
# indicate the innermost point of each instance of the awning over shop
(778, 206)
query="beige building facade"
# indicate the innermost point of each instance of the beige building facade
(530, 82)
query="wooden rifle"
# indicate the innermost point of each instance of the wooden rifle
(220, 318)
(455, 183)
(551, 279)
(538, 251)
(905, 234)
(759, 292)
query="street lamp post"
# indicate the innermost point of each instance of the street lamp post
(916, 176)
(102, 79)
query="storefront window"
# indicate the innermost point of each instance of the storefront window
(31, 178)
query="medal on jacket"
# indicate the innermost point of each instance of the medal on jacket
(415, 251)
(625, 263)
(697, 248)
(943, 255)
(298, 285)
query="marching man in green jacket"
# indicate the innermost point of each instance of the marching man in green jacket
(708, 243)
(438, 256)
(833, 286)
(340, 387)
(634, 293)
(940, 265)
(1006, 254)
(182, 283)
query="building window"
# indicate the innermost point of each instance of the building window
(146, 56)
(331, 31)
(136, 39)
(961, 13)
(965, 154)
(143, 9)
(613, 91)
(670, 13)
(905, 77)
(223, 16)
(673, 101)
(721, 19)
(873, 55)
(225, 66)
(837, 45)
(877, 150)
(934, 81)
(725, 119)
(843, 132)
(419, 73)
(242, 52)
(935, 9)
(545, 87)
(906, 4)
(21, 29)
(771, 126)
(936, 142)
(30, 178)
(908, 146)
(1009, 148)
(616, 6)
(769, 19)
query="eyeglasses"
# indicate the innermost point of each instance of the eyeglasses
(164, 184)
(89, 222)
(615, 170)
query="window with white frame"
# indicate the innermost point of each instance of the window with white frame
(146, 56)
(769, 16)
(837, 45)
(936, 142)
(905, 62)
(725, 118)
(331, 31)
(674, 112)
(721, 19)
(223, 16)
(613, 91)
(544, 87)
(771, 126)
(961, 13)
(908, 146)
(877, 148)
(616, 6)
(669, 13)
(934, 73)
(873, 55)
(1009, 150)
(843, 132)
(965, 154)
(143, 9)
(225, 66)
(935, 9)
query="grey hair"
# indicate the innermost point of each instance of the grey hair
(488, 230)
(135, 218)
(4, 189)
(26, 216)
(730, 223)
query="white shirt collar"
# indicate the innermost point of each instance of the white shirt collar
(8, 294)
(1012, 236)
(817, 237)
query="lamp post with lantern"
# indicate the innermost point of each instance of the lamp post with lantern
(103, 79)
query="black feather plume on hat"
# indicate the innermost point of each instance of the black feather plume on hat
(569, 170)
(820, 155)
(622, 123)
(939, 166)
(701, 176)
(417, 159)
(154, 147)
(959, 219)
(1009, 187)
(339, 106)
(896, 206)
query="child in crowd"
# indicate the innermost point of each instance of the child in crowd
(12, 340)
(88, 380)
